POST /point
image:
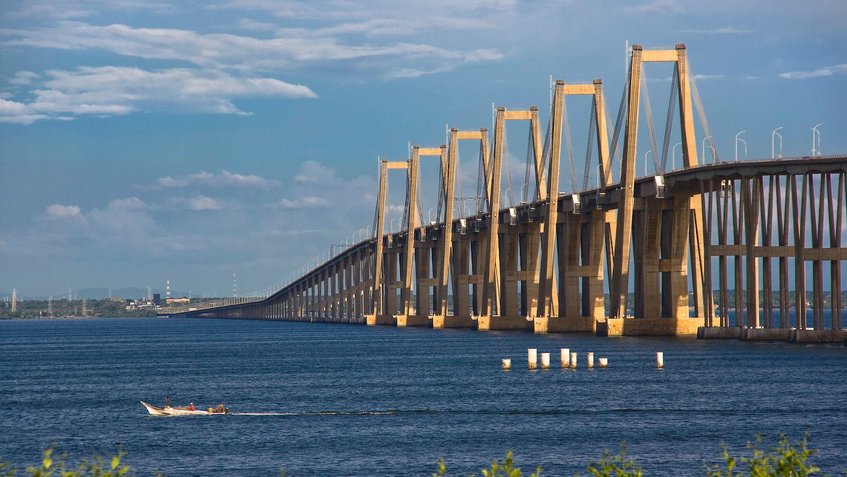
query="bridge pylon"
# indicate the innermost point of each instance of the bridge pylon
(579, 235)
(664, 235)
(385, 279)
(458, 251)
(512, 251)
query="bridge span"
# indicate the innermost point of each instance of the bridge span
(630, 256)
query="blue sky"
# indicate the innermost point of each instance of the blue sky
(145, 141)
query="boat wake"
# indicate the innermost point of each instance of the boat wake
(316, 413)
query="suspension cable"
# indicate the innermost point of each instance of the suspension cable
(420, 209)
(547, 151)
(481, 182)
(614, 153)
(528, 168)
(589, 147)
(457, 184)
(669, 120)
(406, 202)
(442, 190)
(648, 112)
(701, 113)
(506, 155)
(569, 145)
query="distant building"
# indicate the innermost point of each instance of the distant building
(174, 301)
(157, 299)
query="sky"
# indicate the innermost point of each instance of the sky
(145, 141)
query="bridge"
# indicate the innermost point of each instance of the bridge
(657, 243)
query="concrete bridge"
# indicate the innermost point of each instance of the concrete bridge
(657, 244)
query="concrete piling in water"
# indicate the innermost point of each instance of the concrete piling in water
(545, 360)
(603, 362)
(507, 364)
(566, 357)
(660, 359)
(532, 358)
(573, 360)
(590, 360)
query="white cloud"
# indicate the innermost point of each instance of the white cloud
(129, 203)
(656, 6)
(248, 24)
(59, 211)
(23, 78)
(313, 172)
(384, 26)
(839, 69)
(334, 10)
(65, 9)
(307, 202)
(223, 179)
(708, 77)
(110, 90)
(292, 49)
(208, 72)
(727, 30)
(200, 202)
(20, 113)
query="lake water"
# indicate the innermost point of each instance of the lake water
(332, 399)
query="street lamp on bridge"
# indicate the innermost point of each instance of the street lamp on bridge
(703, 149)
(774, 134)
(816, 135)
(649, 151)
(737, 140)
(673, 153)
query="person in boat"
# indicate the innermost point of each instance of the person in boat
(220, 409)
(191, 406)
(167, 401)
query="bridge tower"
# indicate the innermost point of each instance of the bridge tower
(513, 252)
(662, 233)
(580, 235)
(383, 304)
(458, 252)
(417, 252)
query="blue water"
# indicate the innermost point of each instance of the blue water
(736, 318)
(327, 400)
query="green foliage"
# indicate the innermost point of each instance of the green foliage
(505, 468)
(784, 460)
(614, 465)
(97, 467)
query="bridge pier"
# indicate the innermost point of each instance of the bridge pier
(419, 321)
(500, 323)
(555, 324)
(649, 327)
(453, 321)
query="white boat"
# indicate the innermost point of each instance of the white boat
(182, 411)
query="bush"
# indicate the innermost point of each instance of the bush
(784, 460)
(498, 469)
(97, 467)
(614, 466)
